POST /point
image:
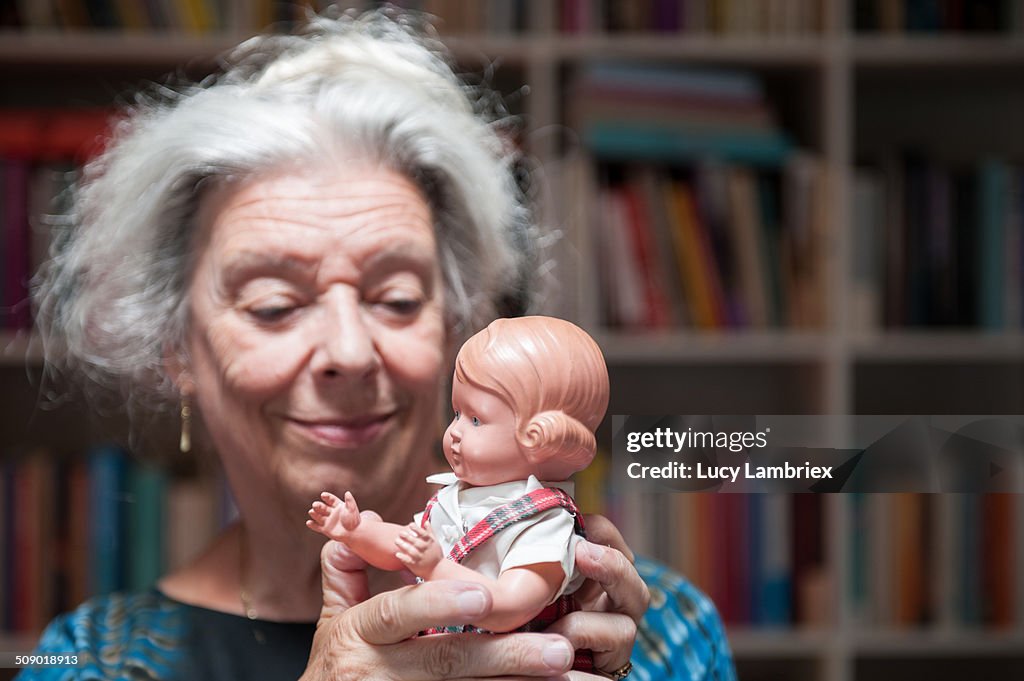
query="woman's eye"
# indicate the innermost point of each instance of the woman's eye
(456, 416)
(476, 421)
(272, 314)
(404, 307)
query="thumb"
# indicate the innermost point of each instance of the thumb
(342, 578)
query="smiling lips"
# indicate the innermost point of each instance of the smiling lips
(344, 432)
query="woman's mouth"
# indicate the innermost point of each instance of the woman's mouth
(344, 433)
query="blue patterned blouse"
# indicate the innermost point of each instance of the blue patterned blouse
(147, 636)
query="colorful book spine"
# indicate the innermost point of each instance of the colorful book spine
(108, 468)
(147, 491)
(626, 141)
(992, 208)
(16, 250)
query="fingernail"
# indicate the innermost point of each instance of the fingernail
(557, 655)
(471, 602)
(595, 551)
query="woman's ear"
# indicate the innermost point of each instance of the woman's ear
(176, 369)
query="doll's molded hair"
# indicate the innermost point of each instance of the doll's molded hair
(554, 377)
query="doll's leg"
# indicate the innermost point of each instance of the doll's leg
(371, 538)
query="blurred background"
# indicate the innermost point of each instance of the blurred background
(766, 207)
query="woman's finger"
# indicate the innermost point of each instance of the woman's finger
(569, 676)
(394, 616)
(615, 585)
(558, 677)
(600, 530)
(343, 579)
(609, 635)
(448, 656)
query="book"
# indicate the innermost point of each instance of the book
(715, 210)
(652, 279)
(696, 262)
(653, 186)
(108, 474)
(34, 547)
(998, 582)
(993, 179)
(750, 254)
(623, 140)
(16, 249)
(624, 289)
(146, 502)
(79, 521)
(7, 549)
(771, 525)
(865, 310)
(802, 244)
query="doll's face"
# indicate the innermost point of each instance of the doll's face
(480, 443)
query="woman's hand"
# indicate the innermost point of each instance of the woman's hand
(613, 600)
(358, 638)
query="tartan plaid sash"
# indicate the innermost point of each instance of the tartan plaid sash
(523, 508)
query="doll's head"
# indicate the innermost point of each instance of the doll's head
(552, 376)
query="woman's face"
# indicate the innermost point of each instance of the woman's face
(317, 341)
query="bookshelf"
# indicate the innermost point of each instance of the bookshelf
(833, 87)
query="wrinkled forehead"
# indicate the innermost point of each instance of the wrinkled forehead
(364, 212)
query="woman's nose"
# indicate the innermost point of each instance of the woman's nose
(346, 347)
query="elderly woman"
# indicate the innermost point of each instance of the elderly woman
(293, 250)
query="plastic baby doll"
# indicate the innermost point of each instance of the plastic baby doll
(527, 395)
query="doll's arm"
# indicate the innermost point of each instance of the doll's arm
(517, 595)
(371, 538)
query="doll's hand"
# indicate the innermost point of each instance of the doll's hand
(333, 517)
(418, 550)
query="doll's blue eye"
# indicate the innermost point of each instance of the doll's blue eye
(476, 421)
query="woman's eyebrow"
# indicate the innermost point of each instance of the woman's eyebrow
(416, 257)
(244, 265)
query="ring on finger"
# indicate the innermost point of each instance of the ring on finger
(620, 673)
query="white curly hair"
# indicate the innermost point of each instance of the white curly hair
(112, 298)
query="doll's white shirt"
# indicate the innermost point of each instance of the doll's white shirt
(547, 537)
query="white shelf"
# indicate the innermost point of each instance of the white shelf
(110, 47)
(98, 47)
(779, 643)
(938, 51)
(806, 51)
(891, 643)
(931, 346)
(139, 47)
(904, 643)
(119, 47)
(17, 643)
(725, 346)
